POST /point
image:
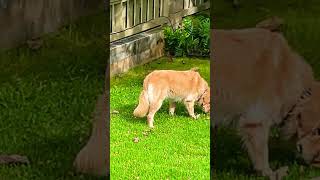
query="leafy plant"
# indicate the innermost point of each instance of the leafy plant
(171, 40)
(190, 39)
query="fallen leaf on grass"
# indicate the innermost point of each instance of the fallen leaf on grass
(136, 140)
(13, 159)
(115, 112)
(145, 133)
(35, 43)
(316, 178)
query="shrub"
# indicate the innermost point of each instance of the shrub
(190, 39)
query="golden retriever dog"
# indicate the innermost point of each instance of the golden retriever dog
(260, 82)
(186, 86)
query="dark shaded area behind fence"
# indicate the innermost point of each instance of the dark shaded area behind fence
(21, 20)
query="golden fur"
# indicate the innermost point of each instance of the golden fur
(186, 86)
(257, 79)
(93, 158)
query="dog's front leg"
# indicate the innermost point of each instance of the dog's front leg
(255, 135)
(172, 107)
(190, 107)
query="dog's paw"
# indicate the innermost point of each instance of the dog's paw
(195, 116)
(282, 172)
(279, 173)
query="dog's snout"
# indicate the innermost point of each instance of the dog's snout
(299, 148)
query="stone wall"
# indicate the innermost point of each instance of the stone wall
(21, 20)
(136, 50)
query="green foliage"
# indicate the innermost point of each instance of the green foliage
(190, 39)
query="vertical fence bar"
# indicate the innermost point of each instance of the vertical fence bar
(150, 10)
(143, 11)
(161, 7)
(165, 7)
(186, 4)
(130, 13)
(135, 10)
(156, 8)
(192, 3)
(111, 18)
(124, 15)
(118, 17)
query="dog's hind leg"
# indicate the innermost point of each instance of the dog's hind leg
(155, 104)
(154, 107)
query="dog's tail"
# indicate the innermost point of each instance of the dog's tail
(143, 106)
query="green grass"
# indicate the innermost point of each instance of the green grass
(302, 27)
(47, 97)
(178, 147)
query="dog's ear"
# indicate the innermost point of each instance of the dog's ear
(195, 69)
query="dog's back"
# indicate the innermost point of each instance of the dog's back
(252, 66)
(175, 80)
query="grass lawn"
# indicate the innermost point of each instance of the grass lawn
(47, 97)
(302, 27)
(178, 147)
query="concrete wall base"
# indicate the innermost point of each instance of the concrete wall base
(136, 50)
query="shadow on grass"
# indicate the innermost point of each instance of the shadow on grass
(126, 114)
(180, 112)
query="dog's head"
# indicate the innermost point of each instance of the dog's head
(204, 101)
(308, 130)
